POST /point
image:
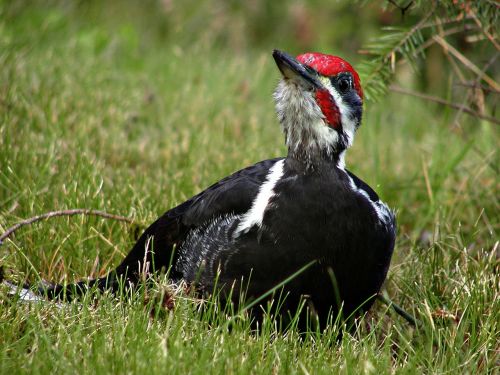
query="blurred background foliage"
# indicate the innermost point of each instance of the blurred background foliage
(415, 39)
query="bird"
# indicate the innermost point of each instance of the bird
(303, 222)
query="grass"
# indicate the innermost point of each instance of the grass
(104, 113)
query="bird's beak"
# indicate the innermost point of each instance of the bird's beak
(294, 70)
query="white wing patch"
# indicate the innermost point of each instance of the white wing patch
(255, 214)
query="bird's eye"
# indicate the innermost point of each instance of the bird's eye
(344, 84)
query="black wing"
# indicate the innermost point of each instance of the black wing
(233, 194)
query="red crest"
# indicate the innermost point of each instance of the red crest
(329, 66)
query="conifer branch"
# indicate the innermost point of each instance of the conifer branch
(377, 72)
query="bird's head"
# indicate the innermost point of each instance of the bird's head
(319, 103)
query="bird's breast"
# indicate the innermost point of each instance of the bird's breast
(322, 214)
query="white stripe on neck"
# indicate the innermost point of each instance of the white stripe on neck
(383, 212)
(348, 124)
(341, 162)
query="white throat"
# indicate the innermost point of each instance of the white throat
(308, 136)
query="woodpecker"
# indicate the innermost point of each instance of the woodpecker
(305, 212)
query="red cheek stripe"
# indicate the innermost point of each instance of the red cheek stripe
(329, 108)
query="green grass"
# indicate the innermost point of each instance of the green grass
(107, 113)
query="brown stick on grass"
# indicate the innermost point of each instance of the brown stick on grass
(51, 214)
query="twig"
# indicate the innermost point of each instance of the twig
(474, 85)
(476, 81)
(466, 98)
(403, 9)
(48, 215)
(490, 37)
(398, 309)
(430, 42)
(445, 102)
(464, 60)
(446, 21)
